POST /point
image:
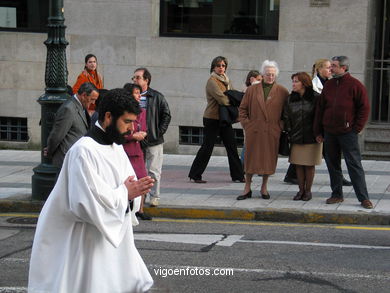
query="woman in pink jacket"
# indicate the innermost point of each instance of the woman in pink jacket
(133, 145)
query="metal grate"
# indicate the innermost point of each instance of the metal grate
(190, 135)
(13, 129)
(381, 74)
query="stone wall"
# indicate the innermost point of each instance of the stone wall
(124, 36)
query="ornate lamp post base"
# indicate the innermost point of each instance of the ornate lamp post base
(56, 75)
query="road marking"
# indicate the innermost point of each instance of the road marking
(278, 272)
(315, 244)
(19, 215)
(221, 240)
(13, 289)
(328, 226)
(230, 240)
(203, 239)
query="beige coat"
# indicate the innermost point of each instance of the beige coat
(215, 89)
(262, 125)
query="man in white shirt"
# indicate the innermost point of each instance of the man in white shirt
(84, 239)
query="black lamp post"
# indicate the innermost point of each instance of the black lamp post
(55, 94)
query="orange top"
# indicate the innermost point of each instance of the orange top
(88, 76)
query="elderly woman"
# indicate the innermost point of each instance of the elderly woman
(298, 116)
(260, 116)
(217, 84)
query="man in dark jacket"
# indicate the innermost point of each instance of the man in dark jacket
(341, 114)
(158, 117)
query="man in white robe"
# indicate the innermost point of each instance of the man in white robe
(84, 238)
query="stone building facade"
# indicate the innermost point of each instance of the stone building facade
(125, 35)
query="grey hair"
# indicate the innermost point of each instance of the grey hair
(343, 61)
(268, 63)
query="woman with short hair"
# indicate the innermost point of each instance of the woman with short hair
(260, 117)
(298, 117)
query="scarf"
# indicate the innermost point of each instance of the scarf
(222, 78)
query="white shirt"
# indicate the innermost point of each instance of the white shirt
(84, 239)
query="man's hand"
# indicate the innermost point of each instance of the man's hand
(137, 188)
(319, 138)
(140, 135)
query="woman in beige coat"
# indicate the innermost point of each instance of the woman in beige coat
(260, 116)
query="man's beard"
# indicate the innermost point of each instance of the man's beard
(114, 134)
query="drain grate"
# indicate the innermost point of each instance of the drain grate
(22, 220)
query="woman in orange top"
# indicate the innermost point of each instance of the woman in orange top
(89, 74)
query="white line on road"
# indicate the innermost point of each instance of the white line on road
(315, 244)
(13, 289)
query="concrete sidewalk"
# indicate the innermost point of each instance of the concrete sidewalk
(217, 199)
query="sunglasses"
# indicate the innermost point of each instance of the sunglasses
(220, 65)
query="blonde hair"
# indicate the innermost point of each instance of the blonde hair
(317, 66)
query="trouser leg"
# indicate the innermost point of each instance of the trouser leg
(210, 133)
(333, 163)
(229, 140)
(350, 148)
(154, 161)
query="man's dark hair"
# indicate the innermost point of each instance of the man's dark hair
(343, 61)
(131, 86)
(87, 88)
(117, 102)
(146, 74)
(102, 92)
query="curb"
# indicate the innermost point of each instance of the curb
(268, 215)
(271, 215)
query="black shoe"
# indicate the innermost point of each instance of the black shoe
(239, 180)
(290, 180)
(265, 196)
(143, 216)
(245, 196)
(198, 180)
(346, 182)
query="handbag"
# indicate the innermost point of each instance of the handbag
(284, 144)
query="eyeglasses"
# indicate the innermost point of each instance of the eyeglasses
(136, 77)
(220, 65)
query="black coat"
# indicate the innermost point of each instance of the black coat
(298, 116)
(229, 114)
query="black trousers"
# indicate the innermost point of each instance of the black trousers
(210, 133)
(347, 144)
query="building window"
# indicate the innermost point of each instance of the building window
(380, 108)
(24, 15)
(190, 135)
(244, 19)
(13, 129)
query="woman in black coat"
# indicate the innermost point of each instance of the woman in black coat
(298, 116)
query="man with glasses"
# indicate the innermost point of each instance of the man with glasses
(342, 113)
(158, 117)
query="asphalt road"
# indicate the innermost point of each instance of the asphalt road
(218, 256)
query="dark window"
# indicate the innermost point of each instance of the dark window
(194, 136)
(24, 15)
(380, 109)
(246, 19)
(13, 129)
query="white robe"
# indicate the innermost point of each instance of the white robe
(84, 238)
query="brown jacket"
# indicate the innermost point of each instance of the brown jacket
(262, 124)
(215, 96)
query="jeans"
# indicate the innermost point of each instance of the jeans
(347, 144)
